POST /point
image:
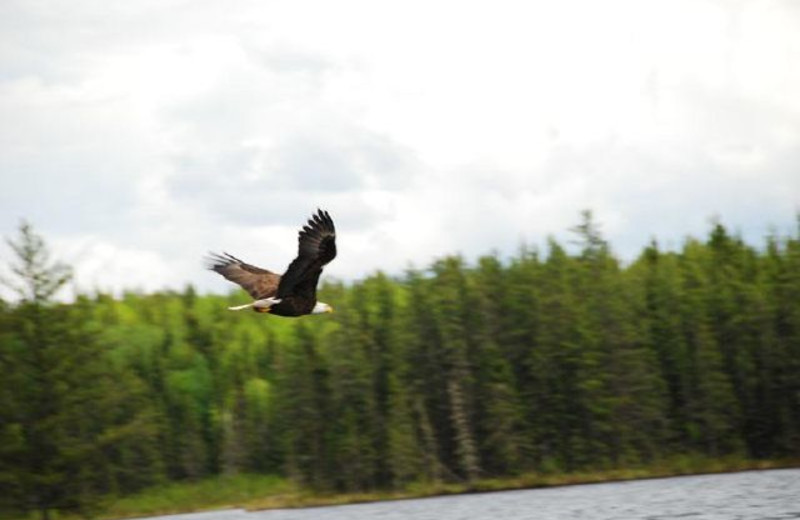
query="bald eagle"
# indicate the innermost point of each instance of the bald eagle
(294, 293)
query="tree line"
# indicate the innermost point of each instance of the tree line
(556, 360)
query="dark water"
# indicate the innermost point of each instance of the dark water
(753, 495)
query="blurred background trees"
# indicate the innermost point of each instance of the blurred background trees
(71, 415)
(554, 360)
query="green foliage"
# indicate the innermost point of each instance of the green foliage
(445, 378)
(36, 278)
(209, 493)
(72, 419)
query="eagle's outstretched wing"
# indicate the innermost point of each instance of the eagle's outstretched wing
(259, 283)
(316, 247)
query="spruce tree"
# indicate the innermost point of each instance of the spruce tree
(450, 306)
(60, 389)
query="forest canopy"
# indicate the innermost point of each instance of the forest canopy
(553, 360)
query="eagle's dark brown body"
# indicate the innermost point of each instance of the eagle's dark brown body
(292, 307)
(295, 292)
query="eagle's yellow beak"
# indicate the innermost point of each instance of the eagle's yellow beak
(329, 309)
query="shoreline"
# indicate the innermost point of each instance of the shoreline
(528, 481)
(289, 496)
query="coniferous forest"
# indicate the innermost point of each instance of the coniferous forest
(553, 360)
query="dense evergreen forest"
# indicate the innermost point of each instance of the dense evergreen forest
(555, 360)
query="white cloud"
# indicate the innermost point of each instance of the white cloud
(103, 266)
(150, 132)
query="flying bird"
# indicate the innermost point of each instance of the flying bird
(295, 292)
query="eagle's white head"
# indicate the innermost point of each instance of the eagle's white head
(321, 308)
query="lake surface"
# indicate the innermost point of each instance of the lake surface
(752, 495)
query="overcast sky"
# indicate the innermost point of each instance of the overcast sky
(137, 136)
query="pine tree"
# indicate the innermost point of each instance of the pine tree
(782, 286)
(554, 400)
(660, 279)
(428, 384)
(61, 393)
(713, 411)
(304, 411)
(450, 301)
(499, 421)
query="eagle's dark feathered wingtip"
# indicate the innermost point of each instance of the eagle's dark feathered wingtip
(214, 261)
(322, 219)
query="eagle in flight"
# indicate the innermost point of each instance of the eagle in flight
(295, 292)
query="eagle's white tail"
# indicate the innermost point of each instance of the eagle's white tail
(261, 304)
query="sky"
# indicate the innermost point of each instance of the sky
(137, 136)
